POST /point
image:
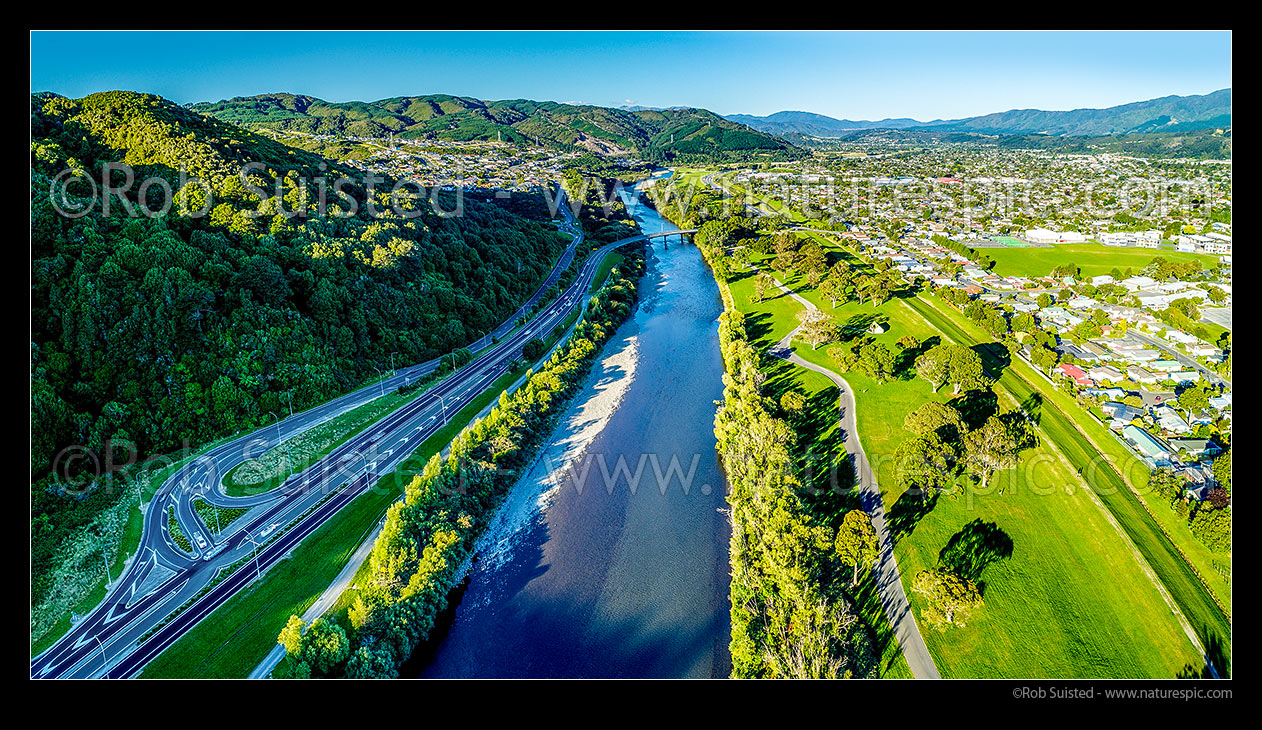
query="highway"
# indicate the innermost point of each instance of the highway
(130, 627)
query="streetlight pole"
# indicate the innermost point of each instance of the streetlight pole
(392, 370)
(257, 572)
(381, 379)
(290, 394)
(273, 415)
(443, 402)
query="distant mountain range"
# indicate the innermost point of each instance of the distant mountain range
(1167, 114)
(658, 135)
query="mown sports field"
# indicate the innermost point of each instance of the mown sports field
(1095, 259)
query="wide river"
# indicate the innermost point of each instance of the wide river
(588, 571)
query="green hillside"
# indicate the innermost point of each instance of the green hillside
(669, 135)
(174, 330)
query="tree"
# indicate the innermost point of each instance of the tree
(856, 543)
(1222, 471)
(1213, 528)
(291, 636)
(877, 288)
(533, 349)
(990, 447)
(1023, 322)
(951, 599)
(762, 282)
(817, 327)
(934, 365)
(1044, 358)
(1193, 400)
(936, 418)
(876, 361)
(325, 646)
(792, 402)
(965, 368)
(784, 262)
(925, 464)
(832, 290)
(1044, 300)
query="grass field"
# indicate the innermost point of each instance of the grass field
(1071, 600)
(1095, 259)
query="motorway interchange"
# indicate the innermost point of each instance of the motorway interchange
(134, 623)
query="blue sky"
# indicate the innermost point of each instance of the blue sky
(869, 75)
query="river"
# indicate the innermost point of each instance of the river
(586, 570)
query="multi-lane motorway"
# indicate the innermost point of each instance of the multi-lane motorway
(134, 623)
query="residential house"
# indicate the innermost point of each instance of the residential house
(1076, 373)
(1149, 447)
(1197, 448)
(1105, 372)
(1169, 420)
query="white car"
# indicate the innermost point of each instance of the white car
(201, 541)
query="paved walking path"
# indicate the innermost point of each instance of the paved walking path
(889, 585)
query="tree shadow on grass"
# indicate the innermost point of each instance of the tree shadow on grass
(1215, 654)
(858, 324)
(757, 326)
(975, 406)
(828, 471)
(995, 358)
(977, 545)
(907, 512)
(1033, 406)
(905, 361)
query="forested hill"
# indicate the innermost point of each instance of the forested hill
(665, 135)
(179, 328)
(1169, 114)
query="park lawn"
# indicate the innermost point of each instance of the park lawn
(1094, 259)
(1174, 555)
(239, 634)
(1080, 623)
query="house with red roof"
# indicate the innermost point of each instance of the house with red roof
(1076, 373)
